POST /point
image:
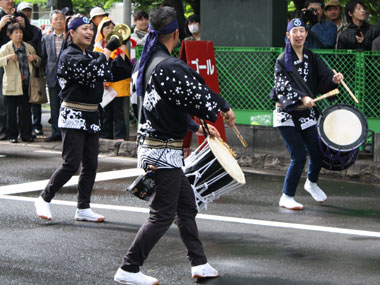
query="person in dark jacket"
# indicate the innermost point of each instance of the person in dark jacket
(294, 115)
(27, 9)
(360, 34)
(173, 91)
(322, 34)
(81, 74)
(51, 47)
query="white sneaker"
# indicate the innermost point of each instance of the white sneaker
(88, 215)
(315, 191)
(288, 202)
(42, 208)
(203, 271)
(125, 277)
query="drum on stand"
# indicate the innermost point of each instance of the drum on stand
(212, 171)
(342, 130)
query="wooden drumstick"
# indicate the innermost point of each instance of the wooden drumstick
(239, 135)
(326, 95)
(348, 89)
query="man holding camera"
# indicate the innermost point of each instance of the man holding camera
(322, 34)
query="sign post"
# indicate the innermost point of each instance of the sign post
(201, 57)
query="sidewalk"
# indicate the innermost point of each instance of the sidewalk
(264, 154)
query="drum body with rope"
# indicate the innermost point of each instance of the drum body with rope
(342, 130)
(212, 171)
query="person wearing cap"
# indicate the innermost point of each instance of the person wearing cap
(96, 16)
(334, 14)
(162, 82)
(81, 74)
(27, 8)
(294, 115)
(322, 34)
(359, 34)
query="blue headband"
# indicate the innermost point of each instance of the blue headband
(288, 47)
(297, 22)
(78, 22)
(146, 54)
(74, 24)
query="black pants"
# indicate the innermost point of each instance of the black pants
(36, 116)
(78, 146)
(174, 198)
(114, 126)
(24, 120)
(3, 107)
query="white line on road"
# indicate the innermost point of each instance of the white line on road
(39, 185)
(217, 218)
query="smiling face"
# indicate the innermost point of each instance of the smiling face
(142, 24)
(297, 36)
(107, 29)
(82, 36)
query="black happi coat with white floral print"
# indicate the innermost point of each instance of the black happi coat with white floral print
(81, 76)
(174, 91)
(317, 76)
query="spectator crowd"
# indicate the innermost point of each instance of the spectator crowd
(27, 51)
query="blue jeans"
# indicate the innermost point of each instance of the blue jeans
(298, 144)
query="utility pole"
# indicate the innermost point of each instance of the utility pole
(127, 11)
(127, 20)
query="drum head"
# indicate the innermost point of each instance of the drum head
(226, 159)
(342, 127)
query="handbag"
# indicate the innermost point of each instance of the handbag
(37, 90)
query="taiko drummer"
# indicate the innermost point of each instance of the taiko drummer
(170, 91)
(299, 75)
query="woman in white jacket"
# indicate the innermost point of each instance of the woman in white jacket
(19, 60)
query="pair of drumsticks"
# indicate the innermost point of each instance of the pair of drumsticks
(336, 91)
(324, 96)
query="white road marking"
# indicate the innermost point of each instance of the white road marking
(255, 222)
(48, 151)
(39, 185)
(123, 158)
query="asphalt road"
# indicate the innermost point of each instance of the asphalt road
(246, 236)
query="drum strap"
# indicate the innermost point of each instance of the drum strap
(159, 56)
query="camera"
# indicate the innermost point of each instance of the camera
(310, 16)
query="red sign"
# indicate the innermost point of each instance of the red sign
(201, 57)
